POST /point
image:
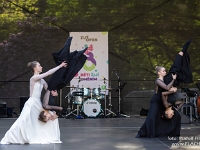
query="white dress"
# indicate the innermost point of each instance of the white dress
(28, 129)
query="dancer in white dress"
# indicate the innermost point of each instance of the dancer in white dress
(27, 128)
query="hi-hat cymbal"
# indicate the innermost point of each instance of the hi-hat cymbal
(110, 89)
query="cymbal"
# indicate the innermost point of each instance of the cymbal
(198, 79)
(70, 86)
(103, 79)
(110, 89)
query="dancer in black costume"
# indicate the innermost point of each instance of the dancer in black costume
(75, 61)
(154, 125)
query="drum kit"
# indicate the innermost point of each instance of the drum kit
(86, 102)
(193, 100)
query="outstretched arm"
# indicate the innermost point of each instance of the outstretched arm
(165, 86)
(51, 71)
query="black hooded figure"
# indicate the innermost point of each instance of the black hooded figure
(154, 125)
(75, 61)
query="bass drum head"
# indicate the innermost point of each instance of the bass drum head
(91, 107)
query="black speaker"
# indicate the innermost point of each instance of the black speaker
(23, 100)
(3, 109)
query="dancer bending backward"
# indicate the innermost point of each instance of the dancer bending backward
(155, 125)
(27, 128)
(172, 99)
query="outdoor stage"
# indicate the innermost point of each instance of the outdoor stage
(107, 134)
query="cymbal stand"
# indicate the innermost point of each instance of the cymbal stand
(73, 113)
(121, 85)
(109, 110)
(79, 80)
(68, 96)
(77, 110)
(110, 103)
(69, 105)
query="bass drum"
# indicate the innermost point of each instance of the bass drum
(91, 107)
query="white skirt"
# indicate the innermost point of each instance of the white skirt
(28, 129)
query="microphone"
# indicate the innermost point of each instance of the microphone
(113, 69)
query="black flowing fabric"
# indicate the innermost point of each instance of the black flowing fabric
(154, 125)
(64, 75)
(181, 68)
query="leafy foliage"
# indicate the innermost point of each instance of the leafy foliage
(142, 35)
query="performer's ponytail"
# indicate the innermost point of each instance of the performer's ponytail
(32, 65)
(158, 68)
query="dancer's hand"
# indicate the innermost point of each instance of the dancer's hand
(64, 64)
(54, 93)
(54, 116)
(174, 76)
(172, 89)
(175, 89)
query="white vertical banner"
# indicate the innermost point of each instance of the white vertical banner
(95, 69)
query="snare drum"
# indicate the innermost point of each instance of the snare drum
(91, 107)
(86, 92)
(77, 98)
(96, 92)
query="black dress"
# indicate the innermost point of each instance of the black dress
(63, 76)
(75, 61)
(154, 125)
(181, 67)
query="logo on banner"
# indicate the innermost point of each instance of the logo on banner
(89, 66)
(90, 59)
(87, 38)
(92, 72)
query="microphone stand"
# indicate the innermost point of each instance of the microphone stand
(121, 85)
(110, 105)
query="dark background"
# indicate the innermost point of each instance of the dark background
(142, 35)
